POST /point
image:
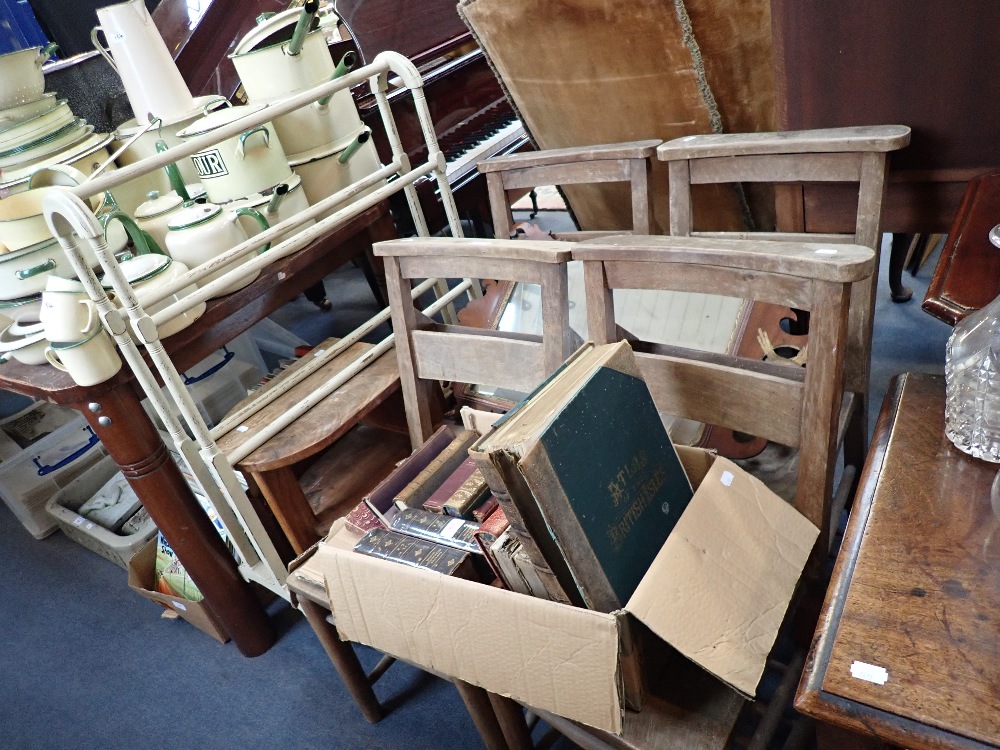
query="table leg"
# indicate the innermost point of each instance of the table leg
(345, 661)
(133, 442)
(897, 260)
(281, 488)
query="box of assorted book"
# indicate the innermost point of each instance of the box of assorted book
(601, 522)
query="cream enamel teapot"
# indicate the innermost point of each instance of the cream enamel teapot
(199, 232)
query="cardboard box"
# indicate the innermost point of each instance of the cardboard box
(140, 580)
(717, 592)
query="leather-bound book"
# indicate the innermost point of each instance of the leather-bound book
(382, 496)
(485, 510)
(417, 553)
(449, 486)
(452, 532)
(590, 471)
(431, 476)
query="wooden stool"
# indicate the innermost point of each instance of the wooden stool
(318, 468)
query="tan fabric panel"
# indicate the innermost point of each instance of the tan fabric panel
(584, 72)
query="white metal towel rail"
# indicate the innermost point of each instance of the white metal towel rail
(69, 218)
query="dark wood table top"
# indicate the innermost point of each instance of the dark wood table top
(225, 317)
(967, 276)
(908, 645)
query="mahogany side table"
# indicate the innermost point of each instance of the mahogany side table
(907, 650)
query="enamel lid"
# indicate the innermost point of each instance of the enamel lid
(142, 267)
(16, 337)
(157, 205)
(191, 216)
(217, 119)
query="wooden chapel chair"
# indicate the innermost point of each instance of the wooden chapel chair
(615, 162)
(799, 407)
(787, 160)
(429, 352)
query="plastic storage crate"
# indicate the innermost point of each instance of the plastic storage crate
(216, 384)
(63, 507)
(33, 471)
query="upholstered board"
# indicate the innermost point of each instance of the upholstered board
(583, 72)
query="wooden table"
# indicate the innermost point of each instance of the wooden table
(113, 411)
(908, 645)
(967, 276)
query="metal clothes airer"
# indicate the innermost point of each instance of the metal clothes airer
(69, 218)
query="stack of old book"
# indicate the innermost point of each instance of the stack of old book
(568, 496)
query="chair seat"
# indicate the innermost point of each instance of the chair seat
(687, 708)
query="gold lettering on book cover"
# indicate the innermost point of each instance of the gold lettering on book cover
(646, 489)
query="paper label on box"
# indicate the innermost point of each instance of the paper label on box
(726, 478)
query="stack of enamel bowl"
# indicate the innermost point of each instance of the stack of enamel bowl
(326, 143)
(37, 131)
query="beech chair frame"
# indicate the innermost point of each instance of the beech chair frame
(617, 162)
(794, 406)
(787, 160)
(428, 351)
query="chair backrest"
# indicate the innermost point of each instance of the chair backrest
(793, 406)
(618, 162)
(849, 155)
(428, 351)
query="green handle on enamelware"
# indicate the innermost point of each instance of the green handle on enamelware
(259, 218)
(346, 63)
(173, 173)
(241, 146)
(144, 244)
(27, 273)
(46, 52)
(352, 148)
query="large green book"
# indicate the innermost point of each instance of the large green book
(596, 467)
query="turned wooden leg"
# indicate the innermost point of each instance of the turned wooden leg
(512, 722)
(345, 661)
(132, 440)
(477, 702)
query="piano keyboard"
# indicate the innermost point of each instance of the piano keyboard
(477, 138)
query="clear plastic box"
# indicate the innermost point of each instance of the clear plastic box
(34, 470)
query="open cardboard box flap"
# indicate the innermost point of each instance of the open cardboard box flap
(717, 592)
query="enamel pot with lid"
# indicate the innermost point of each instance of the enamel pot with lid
(203, 231)
(243, 164)
(154, 215)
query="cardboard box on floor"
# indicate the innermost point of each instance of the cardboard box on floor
(141, 581)
(717, 592)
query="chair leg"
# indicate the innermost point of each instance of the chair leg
(345, 661)
(317, 295)
(512, 721)
(478, 704)
(374, 283)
